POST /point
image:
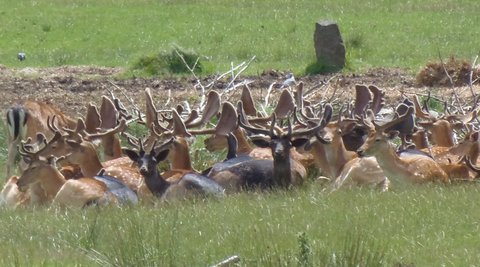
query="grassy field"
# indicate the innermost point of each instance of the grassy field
(425, 225)
(279, 33)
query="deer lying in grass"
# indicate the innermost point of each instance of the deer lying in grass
(341, 165)
(282, 171)
(45, 184)
(188, 185)
(411, 168)
(445, 151)
(11, 197)
(25, 121)
(284, 107)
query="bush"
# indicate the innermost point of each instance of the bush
(169, 63)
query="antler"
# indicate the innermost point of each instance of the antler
(285, 105)
(34, 155)
(419, 112)
(225, 125)
(247, 101)
(390, 124)
(211, 109)
(362, 99)
(378, 99)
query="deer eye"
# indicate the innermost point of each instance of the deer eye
(377, 139)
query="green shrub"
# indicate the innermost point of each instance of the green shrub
(170, 62)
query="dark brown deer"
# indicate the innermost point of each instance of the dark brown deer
(189, 185)
(281, 172)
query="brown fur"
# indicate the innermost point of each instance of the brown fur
(37, 114)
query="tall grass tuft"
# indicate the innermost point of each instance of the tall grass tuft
(176, 61)
(305, 250)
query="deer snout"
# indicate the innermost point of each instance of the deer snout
(143, 170)
(279, 150)
(22, 187)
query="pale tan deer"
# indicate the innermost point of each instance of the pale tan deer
(410, 168)
(344, 167)
(44, 184)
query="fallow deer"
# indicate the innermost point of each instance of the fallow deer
(282, 171)
(25, 121)
(189, 185)
(45, 184)
(341, 165)
(411, 168)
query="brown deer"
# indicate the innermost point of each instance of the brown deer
(410, 168)
(188, 185)
(45, 184)
(341, 165)
(25, 121)
(282, 171)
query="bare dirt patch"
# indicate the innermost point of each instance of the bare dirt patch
(72, 87)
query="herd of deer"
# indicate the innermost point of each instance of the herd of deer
(81, 162)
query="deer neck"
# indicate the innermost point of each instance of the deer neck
(443, 138)
(282, 173)
(338, 155)
(51, 183)
(111, 147)
(243, 146)
(156, 183)
(179, 157)
(392, 164)
(474, 152)
(90, 164)
(321, 159)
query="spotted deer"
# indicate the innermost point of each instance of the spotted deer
(411, 168)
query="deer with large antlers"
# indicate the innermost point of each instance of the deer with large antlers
(25, 121)
(45, 184)
(341, 165)
(188, 185)
(281, 172)
(440, 131)
(413, 168)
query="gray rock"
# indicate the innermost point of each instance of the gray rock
(329, 46)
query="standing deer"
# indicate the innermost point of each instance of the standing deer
(25, 121)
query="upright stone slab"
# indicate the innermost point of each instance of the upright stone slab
(329, 46)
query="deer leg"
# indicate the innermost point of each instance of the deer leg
(340, 180)
(12, 152)
(384, 185)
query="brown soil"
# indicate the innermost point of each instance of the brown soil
(70, 88)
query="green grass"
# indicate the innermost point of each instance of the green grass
(279, 33)
(426, 226)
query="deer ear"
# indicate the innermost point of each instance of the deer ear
(474, 136)
(300, 142)
(133, 155)
(425, 124)
(162, 155)
(393, 134)
(261, 143)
